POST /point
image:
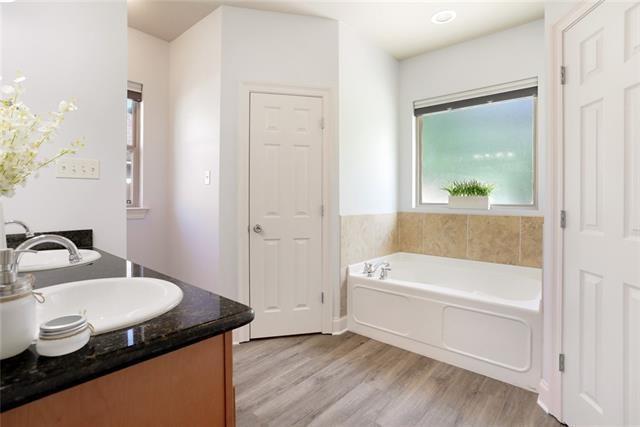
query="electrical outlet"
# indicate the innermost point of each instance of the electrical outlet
(72, 167)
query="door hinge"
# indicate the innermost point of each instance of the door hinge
(561, 362)
(563, 219)
(322, 210)
(322, 123)
(563, 75)
(322, 297)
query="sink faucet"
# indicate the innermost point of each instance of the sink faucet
(74, 253)
(370, 269)
(27, 231)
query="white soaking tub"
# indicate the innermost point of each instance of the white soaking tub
(479, 316)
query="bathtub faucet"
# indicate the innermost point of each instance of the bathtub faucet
(370, 269)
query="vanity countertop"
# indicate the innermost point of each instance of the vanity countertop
(200, 315)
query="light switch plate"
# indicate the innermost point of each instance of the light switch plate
(207, 177)
(72, 167)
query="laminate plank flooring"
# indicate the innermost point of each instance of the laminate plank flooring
(351, 380)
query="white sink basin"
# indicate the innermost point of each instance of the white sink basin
(109, 304)
(53, 259)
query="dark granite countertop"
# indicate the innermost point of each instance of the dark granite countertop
(200, 315)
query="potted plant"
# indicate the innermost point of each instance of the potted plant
(22, 134)
(469, 194)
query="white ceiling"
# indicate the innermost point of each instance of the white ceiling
(402, 28)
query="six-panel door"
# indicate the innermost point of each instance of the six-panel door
(601, 383)
(285, 214)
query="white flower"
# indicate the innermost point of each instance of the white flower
(66, 106)
(8, 90)
(22, 133)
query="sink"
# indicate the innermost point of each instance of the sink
(53, 259)
(109, 304)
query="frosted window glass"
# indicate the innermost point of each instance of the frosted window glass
(493, 143)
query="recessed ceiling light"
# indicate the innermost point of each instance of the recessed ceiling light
(443, 17)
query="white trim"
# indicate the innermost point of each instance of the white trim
(328, 145)
(493, 211)
(137, 212)
(476, 93)
(241, 334)
(339, 325)
(550, 389)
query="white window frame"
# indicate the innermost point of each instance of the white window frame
(496, 209)
(135, 210)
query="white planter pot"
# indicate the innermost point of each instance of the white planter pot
(469, 202)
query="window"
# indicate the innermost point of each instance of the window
(134, 120)
(488, 135)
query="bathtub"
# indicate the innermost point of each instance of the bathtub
(479, 316)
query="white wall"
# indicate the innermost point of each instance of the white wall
(74, 50)
(501, 57)
(147, 238)
(368, 134)
(195, 146)
(273, 48)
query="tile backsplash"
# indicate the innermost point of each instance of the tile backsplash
(515, 240)
(363, 237)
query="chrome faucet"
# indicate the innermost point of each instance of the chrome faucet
(27, 231)
(74, 253)
(370, 269)
(384, 272)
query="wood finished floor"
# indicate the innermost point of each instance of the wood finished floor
(350, 380)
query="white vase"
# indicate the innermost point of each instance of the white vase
(3, 236)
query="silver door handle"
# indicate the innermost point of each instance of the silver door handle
(257, 228)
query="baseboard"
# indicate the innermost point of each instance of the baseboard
(339, 325)
(241, 335)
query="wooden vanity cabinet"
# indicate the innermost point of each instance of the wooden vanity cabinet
(191, 386)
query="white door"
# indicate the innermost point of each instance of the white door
(285, 214)
(601, 383)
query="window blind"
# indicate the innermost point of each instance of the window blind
(134, 91)
(512, 90)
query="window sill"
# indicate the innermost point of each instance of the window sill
(495, 210)
(137, 213)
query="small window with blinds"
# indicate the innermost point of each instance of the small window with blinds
(488, 135)
(134, 146)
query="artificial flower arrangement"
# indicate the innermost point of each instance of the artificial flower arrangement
(23, 133)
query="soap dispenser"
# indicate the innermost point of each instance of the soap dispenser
(17, 306)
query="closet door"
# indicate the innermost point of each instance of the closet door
(285, 188)
(601, 383)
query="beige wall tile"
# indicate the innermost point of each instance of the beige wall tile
(444, 235)
(363, 237)
(531, 241)
(410, 238)
(494, 239)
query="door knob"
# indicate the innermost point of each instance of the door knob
(257, 228)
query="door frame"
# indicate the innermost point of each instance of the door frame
(328, 138)
(551, 388)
